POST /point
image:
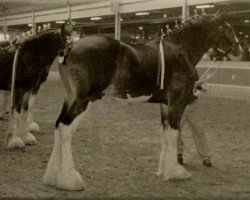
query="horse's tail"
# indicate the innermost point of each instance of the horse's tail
(13, 80)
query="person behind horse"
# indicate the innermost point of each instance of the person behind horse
(197, 130)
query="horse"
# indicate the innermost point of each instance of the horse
(96, 62)
(33, 58)
(4, 106)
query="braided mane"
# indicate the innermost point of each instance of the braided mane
(189, 24)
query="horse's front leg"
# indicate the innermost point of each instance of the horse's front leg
(164, 125)
(169, 167)
(172, 169)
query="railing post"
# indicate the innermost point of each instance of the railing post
(5, 28)
(69, 11)
(33, 23)
(185, 10)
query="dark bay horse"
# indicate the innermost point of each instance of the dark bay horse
(96, 62)
(34, 57)
(7, 53)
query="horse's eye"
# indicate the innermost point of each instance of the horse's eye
(221, 28)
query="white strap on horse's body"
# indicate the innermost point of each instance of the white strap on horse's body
(13, 81)
(162, 59)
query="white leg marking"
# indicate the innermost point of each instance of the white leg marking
(68, 178)
(173, 170)
(163, 153)
(23, 130)
(53, 165)
(33, 126)
(61, 170)
(13, 140)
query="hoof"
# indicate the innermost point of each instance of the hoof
(29, 139)
(70, 181)
(67, 181)
(207, 163)
(34, 127)
(180, 159)
(49, 178)
(15, 143)
(176, 172)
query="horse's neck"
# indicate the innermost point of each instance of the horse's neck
(192, 41)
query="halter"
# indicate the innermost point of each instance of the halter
(199, 85)
(233, 46)
(64, 53)
(223, 54)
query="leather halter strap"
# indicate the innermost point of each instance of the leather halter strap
(233, 46)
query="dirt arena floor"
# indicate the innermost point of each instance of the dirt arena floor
(116, 149)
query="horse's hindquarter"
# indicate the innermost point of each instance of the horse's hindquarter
(6, 61)
(136, 72)
(91, 65)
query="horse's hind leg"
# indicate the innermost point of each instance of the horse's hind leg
(61, 171)
(18, 133)
(33, 126)
(5, 105)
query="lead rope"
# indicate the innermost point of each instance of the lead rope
(204, 77)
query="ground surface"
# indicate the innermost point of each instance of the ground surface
(116, 149)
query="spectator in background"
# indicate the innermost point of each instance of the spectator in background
(194, 123)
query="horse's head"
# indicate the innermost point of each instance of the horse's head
(66, 29)
(222, 35)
